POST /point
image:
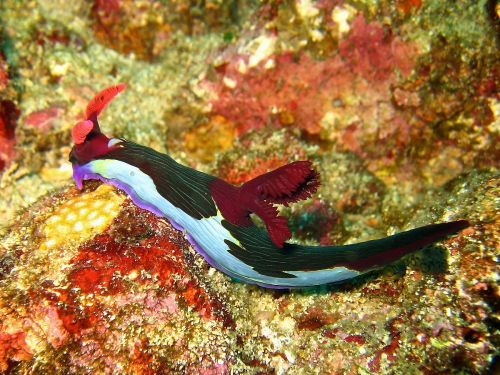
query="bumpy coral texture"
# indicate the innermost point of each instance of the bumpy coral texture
(322, 97)
(116, 264)
(80, 218)
(91, 299)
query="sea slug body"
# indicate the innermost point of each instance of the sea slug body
(216, 215)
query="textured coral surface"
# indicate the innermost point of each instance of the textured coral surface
(396, 104)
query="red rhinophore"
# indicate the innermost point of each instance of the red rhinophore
(101, 100)
(287, 184)
(81, 130)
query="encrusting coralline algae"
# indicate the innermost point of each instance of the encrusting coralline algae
(395, 103)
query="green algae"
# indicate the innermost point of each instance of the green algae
(463, 23)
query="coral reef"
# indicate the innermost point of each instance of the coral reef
(395, 103)
(9, 112)
(135, 259)
(136, 297)
(375, 87)
(288, 89)
(147, 28)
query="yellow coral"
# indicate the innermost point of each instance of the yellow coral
(82, 217)
(206, 140)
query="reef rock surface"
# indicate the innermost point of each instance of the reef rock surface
(395, 102)
(90, 282)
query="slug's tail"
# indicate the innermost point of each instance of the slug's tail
(301, 266)
(374, 254)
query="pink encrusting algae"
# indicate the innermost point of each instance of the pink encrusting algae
(135, 270)
(9, 113)
(374, 53)
(43, 119)
(324, 97)
(111, 262)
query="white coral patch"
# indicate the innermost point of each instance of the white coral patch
(260, 49)
(341, 15)
(306, 9)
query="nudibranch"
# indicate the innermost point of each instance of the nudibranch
(215, 215)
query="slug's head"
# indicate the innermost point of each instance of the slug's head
(89, 142)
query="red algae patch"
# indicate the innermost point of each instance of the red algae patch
(314, 319)
(145, 254)
(105, 266)
(293, 89)
(358, 339)
(133, 270)
(9, 113)
(390, 349)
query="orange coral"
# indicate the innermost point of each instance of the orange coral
(13, 347)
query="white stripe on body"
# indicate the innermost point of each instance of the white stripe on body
(208, 233)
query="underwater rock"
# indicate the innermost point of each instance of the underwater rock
(381, 91)
(206, 140)
(317, 221)
(131, 27)
(105, 278)
(322, 97)
(124, 291)
(396, 104)
(147, 28)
